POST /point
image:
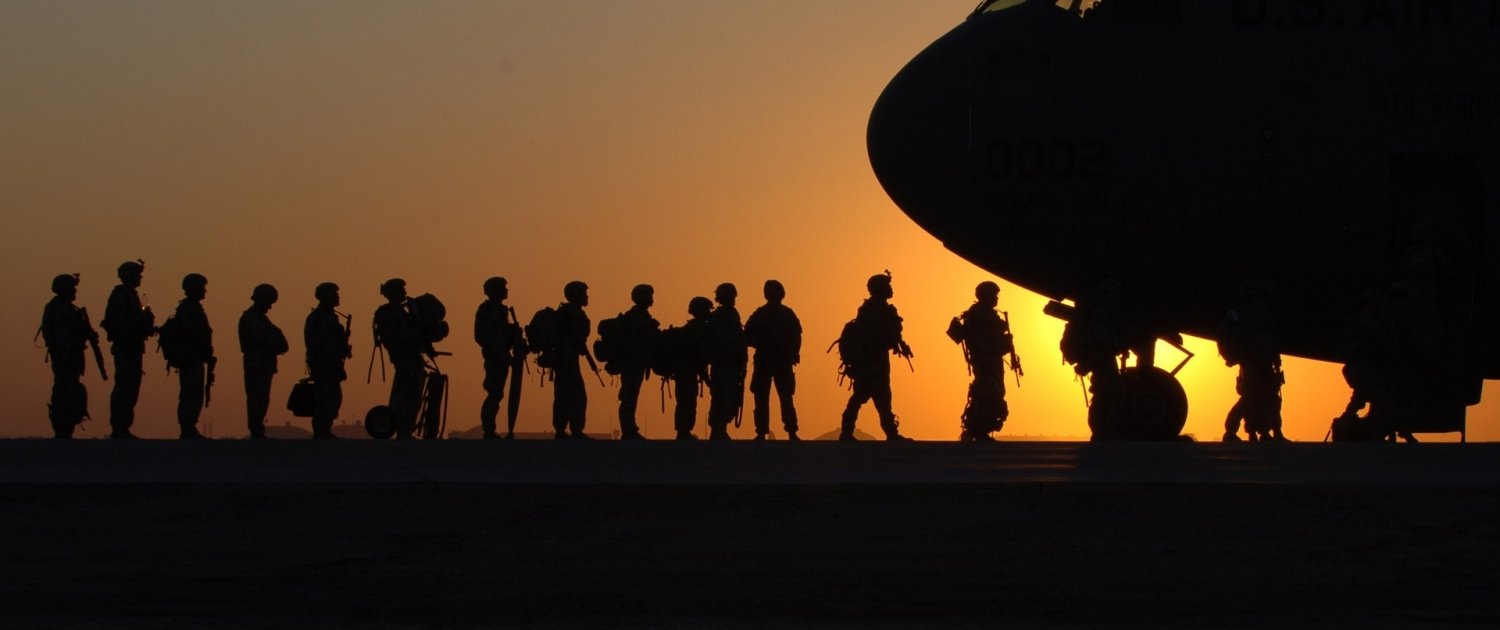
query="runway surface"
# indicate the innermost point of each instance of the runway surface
(815, 534)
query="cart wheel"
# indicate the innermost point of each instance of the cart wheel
(380, 422)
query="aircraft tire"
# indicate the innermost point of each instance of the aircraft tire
(1155, 406)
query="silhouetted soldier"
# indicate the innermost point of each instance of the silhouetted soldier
(399, 332)
(639, 328)
(261, 341)
(728, 359)
(66, 331)
(776, 334)
(1248, 338)
(128, 324)
(502, 345)
(1384, 347)
(327, 344)
(195, 359)
(879, 327)
(1093, 342)
(987, 340)
(687, 351)
(570, 401)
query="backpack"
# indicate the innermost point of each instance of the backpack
(674, 352)
(610, 346)
(857, 349)
(542, 334)
(172, 342)
(430, 314)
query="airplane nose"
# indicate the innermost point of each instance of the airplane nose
(920, 134)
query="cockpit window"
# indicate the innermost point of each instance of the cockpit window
(1076, 7)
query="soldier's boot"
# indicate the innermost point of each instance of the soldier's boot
(891, 426)
(1232, 436)
(846, 426)
(791, 436)
(190, 432)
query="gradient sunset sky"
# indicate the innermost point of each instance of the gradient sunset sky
(672, 142)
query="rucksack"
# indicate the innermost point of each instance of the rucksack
(430, 314)
(857, 348)
(674, 352)
(172, 342)
(610, 346)
(542, 334)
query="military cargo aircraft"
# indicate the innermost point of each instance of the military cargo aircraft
(1341, 150)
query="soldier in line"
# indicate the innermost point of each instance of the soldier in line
(728, 358)
(1093, 341)
(194, 354)
(501, 344)
(987, 340)
(570, 400)
(684, 349)
(877, 327)
(261, 341)
(776, 334)
(66, 330)
(327, 344)
(1248, 339)
(397, 330)
(639, 328)
(128, 325)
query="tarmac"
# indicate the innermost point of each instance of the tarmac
(460, 534)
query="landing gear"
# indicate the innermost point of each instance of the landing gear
(1154, 404)
(1145, 404)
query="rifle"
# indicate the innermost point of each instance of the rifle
(593, 366)
(1015, 359)
(94, 344)
(906, 353)
(208, 383)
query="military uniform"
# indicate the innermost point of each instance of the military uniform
(501, 347)
(776, 334)
(569, 398)
(66, 331)
(988, 340)
(399, 332)
(879, 325)
(197, 348)
(261, 341)
(728, 357)
(327, 344)
(689, 369)
(1249, 341)
(639, 328)
(128, 325)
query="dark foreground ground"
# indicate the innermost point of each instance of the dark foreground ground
(545, 534)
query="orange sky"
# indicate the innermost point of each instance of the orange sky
(678, 143)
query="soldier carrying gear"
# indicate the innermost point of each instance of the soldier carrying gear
(503, 348)
(878, 328)
(986, 339)
(728, 358)
(776, 334)
(398, 330)
(1248, 339)
(1093, 341)
(66, 331)
(570, 399)
(128, 323)
(327, 343)
(685, 350)
(192, 353)
(261, 341)
(639, 331)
